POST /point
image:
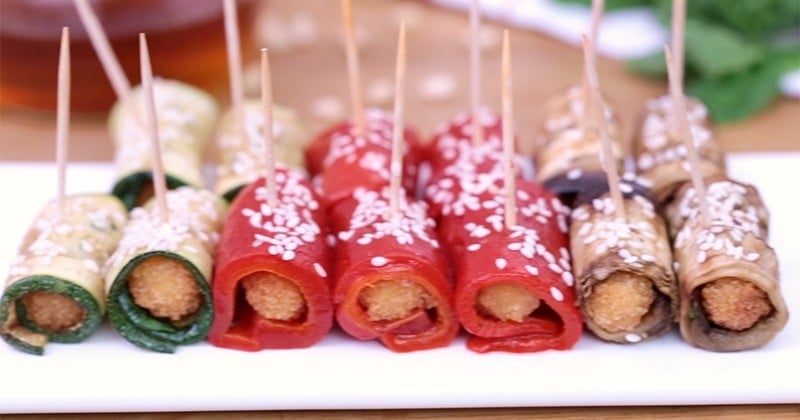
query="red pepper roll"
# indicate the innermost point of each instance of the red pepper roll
(271, 287)
(514, 286)
(342, 162)
(391, 278)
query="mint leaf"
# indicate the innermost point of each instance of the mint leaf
(713, 51)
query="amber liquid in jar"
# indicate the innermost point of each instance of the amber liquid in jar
(186, 40)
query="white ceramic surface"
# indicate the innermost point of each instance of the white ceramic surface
(107, 374)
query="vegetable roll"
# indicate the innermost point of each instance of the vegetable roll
(241, 159)
(626, 287)
(54, 291)
(391, 280)
(159, 279)
(565, 153)
(730, 298)
(186, 119)
(514, 287)
(271, 286)
(660, 156)
(342, 161)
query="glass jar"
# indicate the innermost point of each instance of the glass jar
(186, 40)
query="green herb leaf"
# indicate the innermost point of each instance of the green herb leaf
(713, 51)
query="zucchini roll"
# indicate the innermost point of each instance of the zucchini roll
(241, 158)
(626, 287)
(660, 156)
(54, 291)
(186, 119)
(159, 279)
(730, 298)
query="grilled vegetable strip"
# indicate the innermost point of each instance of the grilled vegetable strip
(627, 290)
(271, 287)
(158, 280)
(727, 273)
(391, 279)
(513, 286)
(660, 155)
(186, 118)
(565, 153)
(54, 291)
(341, 162)
(241, 158)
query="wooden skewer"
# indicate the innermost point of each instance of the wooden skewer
(586, 90)
(510, 181)
(475, 71)
(151, 121)
(353, 70)
(597, 115)
(234, 65)
(62, 118)
(269, 143)
(396, 167)
(114, 72)
(679, 107)
(678, 36)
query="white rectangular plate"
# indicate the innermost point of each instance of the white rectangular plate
(106, 373)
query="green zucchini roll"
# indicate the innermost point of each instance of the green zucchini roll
(186, 119)
(54, 291)
(241, 158)
(159, 278)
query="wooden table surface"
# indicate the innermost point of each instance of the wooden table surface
(309, 75)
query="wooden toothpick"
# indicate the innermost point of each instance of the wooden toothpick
(685, 132)
(151, 121)
(269, 143)
(396, 167)
(597, 115)
(475, 71)
(62, 119)
(111, 66)
(353, 69)
(234, 66)
(677, 51)
(586, 91)
(510, 182)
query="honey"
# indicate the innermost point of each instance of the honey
(186, 40)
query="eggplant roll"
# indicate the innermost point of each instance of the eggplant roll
(159, 279)
(186, 119)
(54, 291)
(627, 289)
(730, 298)
(660, 156)
(241, 158)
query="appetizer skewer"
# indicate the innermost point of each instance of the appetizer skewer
(54, 291)
(159, 278)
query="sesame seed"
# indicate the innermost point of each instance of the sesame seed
(501, 263)
(320, 270)
(531, 270)
(647, 257)
(633, 338)
(379, 261)
(557, 294)
(568, 278)
(473, 247)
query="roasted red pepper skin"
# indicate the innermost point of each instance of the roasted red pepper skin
(237, 325)
(421, 261)
(340, 162)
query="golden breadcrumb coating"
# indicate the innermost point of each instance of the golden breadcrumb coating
(165, 287)
(619, 303)
(734, 304)
(53, 312)
(387, 300)
(274, 297)
(507, 302)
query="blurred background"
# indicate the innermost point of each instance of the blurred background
(186, 39)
